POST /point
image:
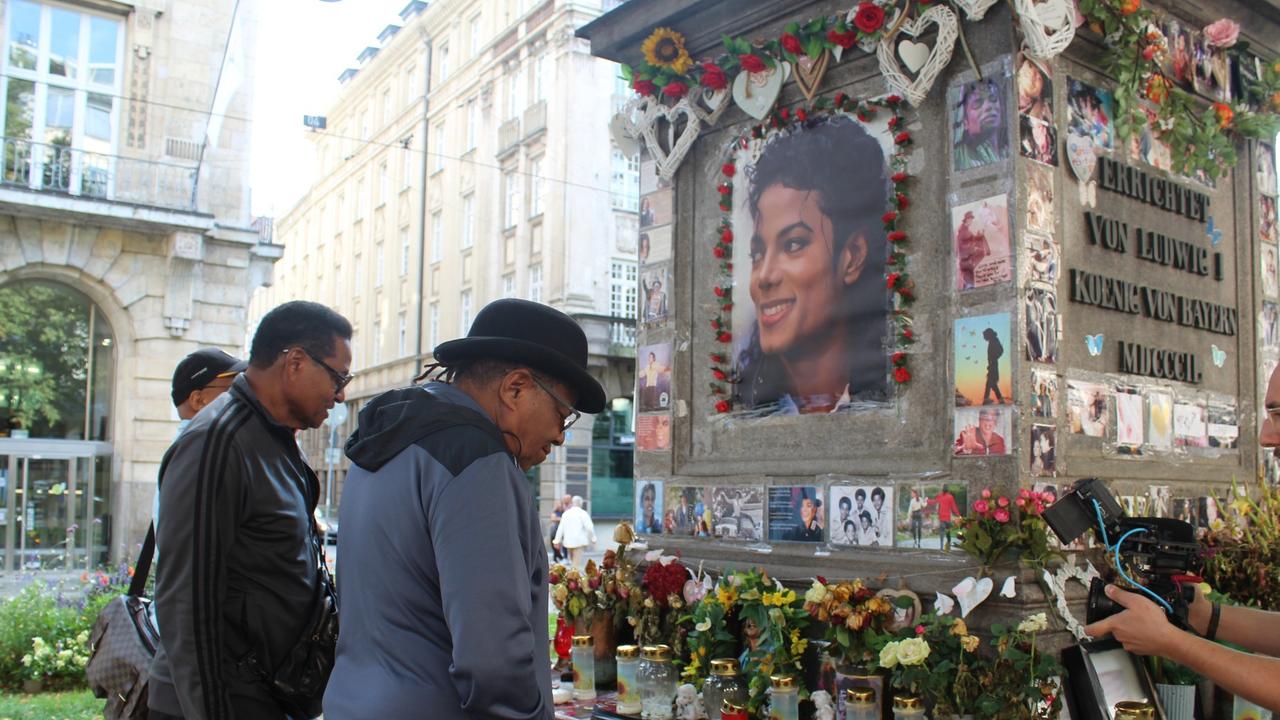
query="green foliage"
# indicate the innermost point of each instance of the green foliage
(44, 349)
(78, 705)
(1242, 555)
(58, 615)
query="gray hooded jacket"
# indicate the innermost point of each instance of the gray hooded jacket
(442, 569)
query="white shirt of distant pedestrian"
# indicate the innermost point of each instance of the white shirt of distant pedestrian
(576, 529)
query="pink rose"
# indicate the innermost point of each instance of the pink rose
(986, 493)
(1024, 493)
(1003, 502)
(1002, 515)
(981, 506)
(1020, 502)
(1222, 33)
(919, 629)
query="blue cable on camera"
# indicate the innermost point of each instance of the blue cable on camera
(1120, 568)
(1097, 507)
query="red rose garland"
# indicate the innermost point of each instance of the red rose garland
(896, 277)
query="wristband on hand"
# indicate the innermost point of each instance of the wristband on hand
(1214, 616)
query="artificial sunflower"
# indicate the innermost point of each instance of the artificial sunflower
(665, 48)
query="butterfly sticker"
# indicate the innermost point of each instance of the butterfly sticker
(1214, 234)
(1094, 343)
(1219, 356)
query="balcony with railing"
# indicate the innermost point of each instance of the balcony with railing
(74, 172)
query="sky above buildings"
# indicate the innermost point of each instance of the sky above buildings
(302, 47)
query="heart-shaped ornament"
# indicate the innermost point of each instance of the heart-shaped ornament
(1048, 26)
(669, 133)
(902, 616)
(711, 104)
(1057, 584)
(974, 10)
(1081, 156)
(914, 55)
(620, 130)
(809, 73)
(1009, 589)
(915, 90)
(891, 14)
(970, 593)
(943, 604)
(756, 93)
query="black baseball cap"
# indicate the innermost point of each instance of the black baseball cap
(200, 368)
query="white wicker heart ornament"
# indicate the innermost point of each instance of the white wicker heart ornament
(710, 104)
(670, 143)
(1048, 26)
(974, 10)
(916, 90)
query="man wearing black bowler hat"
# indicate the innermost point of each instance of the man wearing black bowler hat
(444, 569)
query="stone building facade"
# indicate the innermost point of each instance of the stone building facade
(459, 165)
(124, 220)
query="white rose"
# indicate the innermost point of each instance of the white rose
(889, 655)
(817, 593)
(1035, 623)
(913, 651)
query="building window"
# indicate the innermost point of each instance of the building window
(377, 341)
(433, 324)
(438, 150)
(464, 314)
(404, 251)
(509, 285)
(406, 162)
(515, 90)
(61, 87)
(437, 236)
(622, 289)
(511, 186)
(384, 183)
(379, 260)
(404, 336)
(411, 89)
(625, 184)
(444, 61)
(542, 76)
(360, 200)
(473, 120)
(535, 187)
(468, 220)
(535, 282)
(476, 40)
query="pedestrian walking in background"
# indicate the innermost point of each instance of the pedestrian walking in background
(576, 531)
(444, 565)
(242, 586)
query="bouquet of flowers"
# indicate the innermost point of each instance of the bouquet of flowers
(991, 531)
(711, 636)
(580, 595)
(1022, 683)
(853, 615)
(938, 659)
(656, 606)
(1242, 549)
(772, 623)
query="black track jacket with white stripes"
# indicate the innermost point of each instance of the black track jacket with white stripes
(238, 571)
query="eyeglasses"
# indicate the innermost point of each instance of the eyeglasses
(339, 380)
(573, 415)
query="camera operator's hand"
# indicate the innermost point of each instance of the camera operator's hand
(1141, 627)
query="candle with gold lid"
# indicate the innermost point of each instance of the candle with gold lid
(724, 684)
(584, 667)
(908, 707)
(860, 704)
(784, 702)
(628, 658)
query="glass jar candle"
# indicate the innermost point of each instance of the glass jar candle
(733, 711)
(628, 657)
(1134, 710)
(657, 678)
(725, 683)
(908, 707)
(860, 704)
(584, 667)
(785, 701)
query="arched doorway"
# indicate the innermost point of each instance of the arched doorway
(613, 461)
(57, 369)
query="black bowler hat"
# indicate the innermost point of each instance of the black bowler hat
(531, 334)
(199, 369)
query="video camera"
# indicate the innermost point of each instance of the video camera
(1158, 556)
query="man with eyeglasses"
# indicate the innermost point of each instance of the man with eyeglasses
(444, 564)
(1144, 629)
(241, 581)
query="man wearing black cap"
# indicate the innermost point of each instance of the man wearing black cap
(199, 378)
(444, 579)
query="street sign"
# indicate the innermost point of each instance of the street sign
(337, 415)
(315, 122)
